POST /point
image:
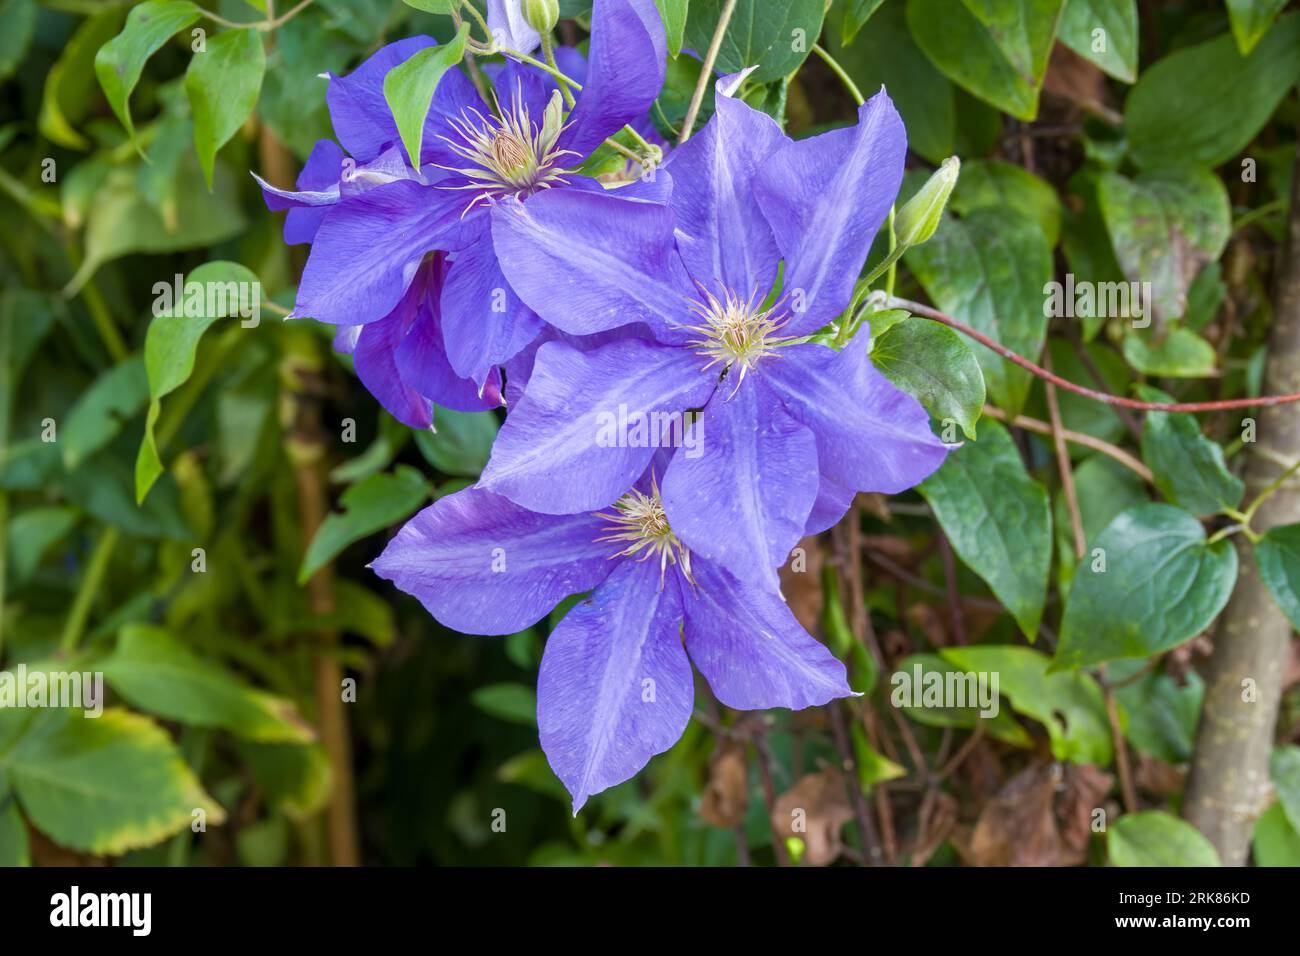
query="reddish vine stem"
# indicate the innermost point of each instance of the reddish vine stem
(925, 311)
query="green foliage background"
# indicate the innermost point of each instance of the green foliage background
(127, 442)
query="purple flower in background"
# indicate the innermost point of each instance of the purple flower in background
(372, 219)
(615, 685)
(698, 272)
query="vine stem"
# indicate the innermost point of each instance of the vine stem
(706, 71)
(840, 72)
(1075, 438)
(264, 25)
(86, 591)
(925, 311)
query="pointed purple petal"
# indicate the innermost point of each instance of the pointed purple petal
(367, 250)
(625, 71)
(375, 360)
(586, 262)
(615, 686)
(832, 504)
(740, 492)
(482, 565)
(825, 197)
(422, 363)
(362, 120)
(748, 645)
(870, 435)
(722, 232)
(571, 444)
(483, 322)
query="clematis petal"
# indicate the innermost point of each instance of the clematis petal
(319, 186)
(367, 250)
(583, 432)
(625, 71)
(509, 28)
(586, 262)
(362, 120)
(422, 363)
(832, 504)
(483, 322)
(751, 650)
(375, 360)
(482, 565)
(740, 489)
(723, 235)
(615, 686)
(871, 436)
(825, 197)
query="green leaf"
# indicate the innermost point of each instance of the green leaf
(1154, 838)
(13, 835)
(1181, 353)
(935, 365)
(1161, 585)
(885, 55)
(102, 785)
(996, 49)
(1086, 244)
(121, 219)
(32, 533)
(19, 18)
(1192, 109)
(1002, 726)
(1276, 841)
(433, 6)
(409, 86)
(986, 183)
(460, 443)
(158, 674)
(1284, 771)
(1115, 50)
(998, 521)
(368, 506)
(102, 410)
(775, 37)
(673, 13)
(170, 346)
(223, 84)
(983, 269)
(1188, 467)
(296, 778)
(856, 15)
(119, 62)
(1103, 488)
(1165, 226)
(70, 84)
(1251, 19)
(1161, 715)
(1070, 706)
(1278, 555)
(516, 703)
(873, 766)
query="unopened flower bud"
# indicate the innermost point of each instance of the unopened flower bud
(919, 218)
(542, 15)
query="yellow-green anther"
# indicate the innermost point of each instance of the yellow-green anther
(917, 221)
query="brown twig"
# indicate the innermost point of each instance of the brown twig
(1077, 438)
(1063, 464)
(925, 311)
(706, 71)
(866, 828)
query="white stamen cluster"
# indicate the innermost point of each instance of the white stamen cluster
(736, 332)
(511, 154)
(639, 520)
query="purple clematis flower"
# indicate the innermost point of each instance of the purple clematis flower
(697, 272)
(372, 219)
(615, 685)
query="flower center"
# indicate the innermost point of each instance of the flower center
(511, 154)
(639, 521)
(736, 331)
